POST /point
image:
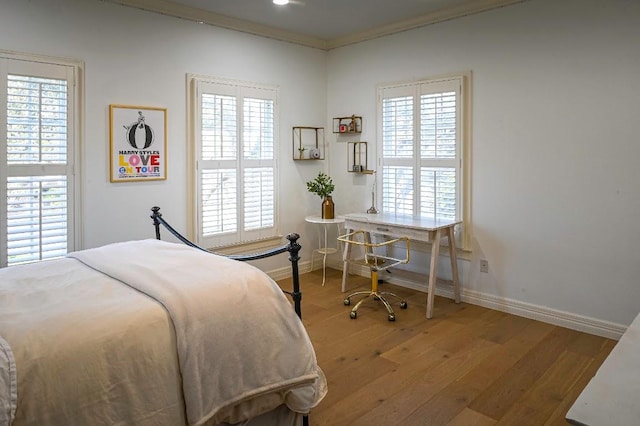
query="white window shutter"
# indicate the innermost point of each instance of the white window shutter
(258, 136)
(397, 190)
(397, 127)
(219, 130)
(438, 192)
(438, 125)
(219, 201)
(421, 148)
(236, 161)
(38, 181)
(36, 218)
(259, 200)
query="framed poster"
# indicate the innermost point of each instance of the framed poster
(138, 142)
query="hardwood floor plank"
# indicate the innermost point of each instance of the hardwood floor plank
(509, 353)
(424, 387)
(415, 346)
(558, 416)
(591, 345)
(550, 389)
(468, 417)
(466, 366)
(387, 384)
(525, 415)
(444, 406)
(509, 388)
(504, 329)
(349, 378)
(470, 313)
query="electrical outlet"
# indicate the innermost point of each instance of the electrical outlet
(484, 266)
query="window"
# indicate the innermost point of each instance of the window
(234, 162)
(38, 156)
(422, 148)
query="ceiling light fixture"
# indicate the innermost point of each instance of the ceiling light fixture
(281, 2)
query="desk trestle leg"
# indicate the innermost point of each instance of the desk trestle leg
(431, 290)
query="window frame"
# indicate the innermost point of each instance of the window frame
(462, 160)
(240, 240)
(57, 68)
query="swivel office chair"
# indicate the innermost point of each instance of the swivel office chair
(376, 262)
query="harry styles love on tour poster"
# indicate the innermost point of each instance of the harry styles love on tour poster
(138, 140)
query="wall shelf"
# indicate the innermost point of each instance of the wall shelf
(352, 124)
(308, 143)
(357, 158)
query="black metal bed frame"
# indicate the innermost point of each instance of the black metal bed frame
(293, 248)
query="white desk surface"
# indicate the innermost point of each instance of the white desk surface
(412, 222)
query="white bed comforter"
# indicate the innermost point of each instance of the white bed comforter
(238, 349)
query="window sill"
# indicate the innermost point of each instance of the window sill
(249, 247)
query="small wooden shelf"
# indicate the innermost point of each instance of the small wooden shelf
(308, 143)
(343, 125)
(357, 158)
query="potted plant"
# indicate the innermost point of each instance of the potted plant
(323, 186)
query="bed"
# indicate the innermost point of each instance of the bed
(152, 332)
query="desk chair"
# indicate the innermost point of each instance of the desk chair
(375, 262)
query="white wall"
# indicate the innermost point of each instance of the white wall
(135, 57)
(555, 146)
(554, 130)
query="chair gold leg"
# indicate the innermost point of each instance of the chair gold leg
(376, 295)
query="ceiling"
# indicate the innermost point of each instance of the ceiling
(323, 24)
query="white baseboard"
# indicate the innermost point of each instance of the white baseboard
(540, 313)
(285, 272)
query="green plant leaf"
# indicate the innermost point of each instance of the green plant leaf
(322, 185)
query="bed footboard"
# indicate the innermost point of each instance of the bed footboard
(292, 247)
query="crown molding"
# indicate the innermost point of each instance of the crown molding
(202, 16)
(470, 8)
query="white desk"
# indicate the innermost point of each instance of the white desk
(324, 250)
(416, 228)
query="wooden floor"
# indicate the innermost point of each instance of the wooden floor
(467, 366)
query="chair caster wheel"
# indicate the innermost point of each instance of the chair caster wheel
(403, 305)
(353, 315)
(347, 302)
(391, 317)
